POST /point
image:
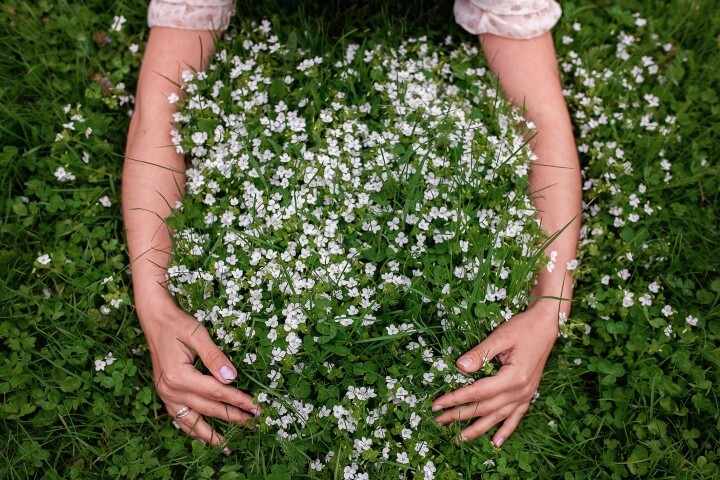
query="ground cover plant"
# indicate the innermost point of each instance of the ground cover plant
(629, 393)
(347, 231)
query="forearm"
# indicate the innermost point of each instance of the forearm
(153, 172)
(528, 74)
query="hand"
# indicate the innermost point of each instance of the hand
(180, 384)
(523, 345)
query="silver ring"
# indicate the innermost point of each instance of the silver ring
(182, 412)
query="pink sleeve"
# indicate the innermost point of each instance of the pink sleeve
(191, 14)
(520, 19)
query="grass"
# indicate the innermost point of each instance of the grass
(640, 404)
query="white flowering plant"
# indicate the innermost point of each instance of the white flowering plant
(352, 223)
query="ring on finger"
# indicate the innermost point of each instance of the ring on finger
(182, 412)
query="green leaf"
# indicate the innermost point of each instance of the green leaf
(20, 209)
(638, 461)
(207, 125)
(70, 384)
(627, 234)
(616, 328)
(337, 349)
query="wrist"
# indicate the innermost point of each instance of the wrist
(155, 308)
(548, 306)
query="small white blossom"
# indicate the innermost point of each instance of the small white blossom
(118, 22)
(63, 175)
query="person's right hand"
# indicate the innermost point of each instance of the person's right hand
(169, 332)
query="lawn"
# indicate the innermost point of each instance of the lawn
(630, 388)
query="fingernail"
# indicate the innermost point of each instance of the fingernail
(256, 411)
(226, 451)
(202, 441)
(437, 408)
(499, 442)
(466, 362)
(227, 373)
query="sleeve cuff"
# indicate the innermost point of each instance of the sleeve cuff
(191, 14)
(517, 19)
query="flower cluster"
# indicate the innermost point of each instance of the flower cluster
(618, 208)
(351, 226)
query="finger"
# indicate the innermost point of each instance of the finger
(509, 425)
(194, 425)
(482, 389)
(486, 350)
(214, 359)
(472, 410)
(223, 411)
(208, 387)
(485, 423)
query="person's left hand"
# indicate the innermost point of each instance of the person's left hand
(523, 345)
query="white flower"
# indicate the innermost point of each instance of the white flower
(668, 330)
(44, 259)
(667, 310)
(118, 22)
(429, 471)
(645, 300)
(605, 280)
(551, 263)
(63, 175)
(403, 458)
(572, 264)
(105, 310)
(628, 299)
(105, 201)
(692, 321)
(362, 444)
(101, 364)
(173, 98)
(199, 138)
(134, 48)
(654, 287)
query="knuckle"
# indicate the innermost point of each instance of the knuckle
(217, 394)
(528, 392)
(172, 382)
(521, 380)
(499, 416)
(480, 356)
(212, 355)
(164, 390)
(477, 393)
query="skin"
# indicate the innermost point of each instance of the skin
(146, 193)
(528, 74)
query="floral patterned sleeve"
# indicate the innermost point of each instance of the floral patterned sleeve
(191, 14)
(520, 19)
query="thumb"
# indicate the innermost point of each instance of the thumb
(486, 350)
(214, 359)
